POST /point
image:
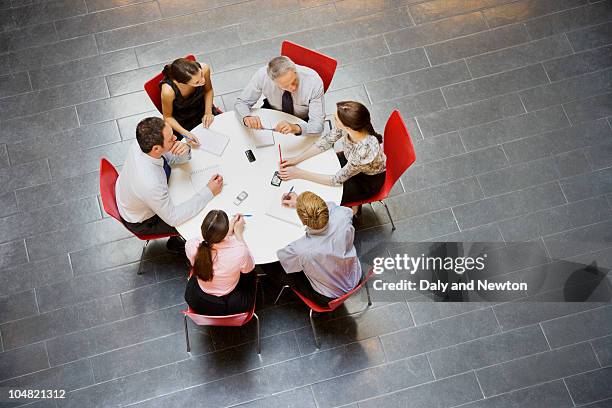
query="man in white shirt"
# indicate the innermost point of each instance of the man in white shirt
(142, 187)
(287, 87)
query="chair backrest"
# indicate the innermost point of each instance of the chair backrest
(399, 150)
(153, 90)
(323, 64)
(336, 303)
(108, 179)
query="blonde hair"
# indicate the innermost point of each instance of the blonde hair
(312, 210)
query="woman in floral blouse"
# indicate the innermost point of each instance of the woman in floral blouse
(363, 162)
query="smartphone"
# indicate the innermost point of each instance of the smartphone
(241, 197)
(250, 156)
(276, 180)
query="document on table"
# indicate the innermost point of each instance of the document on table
(262, 137)
(201, 177)
(211, 141)
(279, 211)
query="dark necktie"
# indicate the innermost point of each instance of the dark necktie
(287, 103)
(167, 168)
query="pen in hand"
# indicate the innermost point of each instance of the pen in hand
(286, 195)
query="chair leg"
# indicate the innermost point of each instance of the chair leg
(389, 214)
(280, 293)
(258, 341)
(368, 293)
(144, 248)
(187, 334)
(314, 331)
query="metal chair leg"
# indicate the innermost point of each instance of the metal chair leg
(280, 293)
(314, 331)
(258, 342)
(368, 293)
(144, 248)
(187, 334)
(389, 214)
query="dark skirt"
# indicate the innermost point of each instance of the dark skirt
(237, 301)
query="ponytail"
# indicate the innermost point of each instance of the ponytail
(214, 229)
(374, 133)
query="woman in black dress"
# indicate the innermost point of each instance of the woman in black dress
(187, 96)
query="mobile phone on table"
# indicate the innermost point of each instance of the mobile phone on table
(241, 197)
(276, 180)
(250, 155)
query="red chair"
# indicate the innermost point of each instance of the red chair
(400, 155)
(333, 305)
(235, 320)
(324, 65)
(108, 179)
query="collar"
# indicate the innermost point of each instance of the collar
(321, 231)
(150, 159)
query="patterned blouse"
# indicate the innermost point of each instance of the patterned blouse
(365, 156)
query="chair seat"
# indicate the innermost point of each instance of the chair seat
(234, 320)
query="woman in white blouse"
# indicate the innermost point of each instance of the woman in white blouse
(363, 162)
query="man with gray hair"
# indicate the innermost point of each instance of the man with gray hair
(287, 87)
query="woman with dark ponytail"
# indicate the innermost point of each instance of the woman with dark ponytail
(187, 96)
(363, 162)
(221, 282)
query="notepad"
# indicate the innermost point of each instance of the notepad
(279, 211)
(211, 141)
(201, 177)
(262, 137)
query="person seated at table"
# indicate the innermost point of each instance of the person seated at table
(287, 87)
(187, 96)
(142, 187)
(323, 264)
(363, 162)
(222, 280)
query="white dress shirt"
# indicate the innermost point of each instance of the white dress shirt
(142, 190)
(307, 98)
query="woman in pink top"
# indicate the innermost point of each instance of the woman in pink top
(221, 282)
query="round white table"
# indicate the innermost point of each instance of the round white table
(264, 234)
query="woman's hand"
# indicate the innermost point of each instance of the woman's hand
(238, 225)
(289, 199)
(194, 139)
(207, 119)
(290, 173)
(291, 161)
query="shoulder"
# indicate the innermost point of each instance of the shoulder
(339, 211)
(166, 89)
(205, 68)
(310, 74)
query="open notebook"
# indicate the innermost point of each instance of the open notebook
(262, 137)
(201, 177)
(211, 141)
(276, 210)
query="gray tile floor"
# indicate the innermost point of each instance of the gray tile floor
(509, 105)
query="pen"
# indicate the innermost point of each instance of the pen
(280, 153)
(290, 191)
(244, 215)
(188, 138)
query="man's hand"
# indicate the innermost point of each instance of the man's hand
(207, 119)
(286, 127)
(179, 149)
(289, 199)
(215, 184)
(252, 122)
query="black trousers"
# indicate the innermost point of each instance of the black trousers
(153, 225)
(361, 186)
(297, 281)
(238, 300)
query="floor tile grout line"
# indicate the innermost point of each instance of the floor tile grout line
(568, 392)
(544, 334)
(314, 397)
(479, 385)
(595, 353)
